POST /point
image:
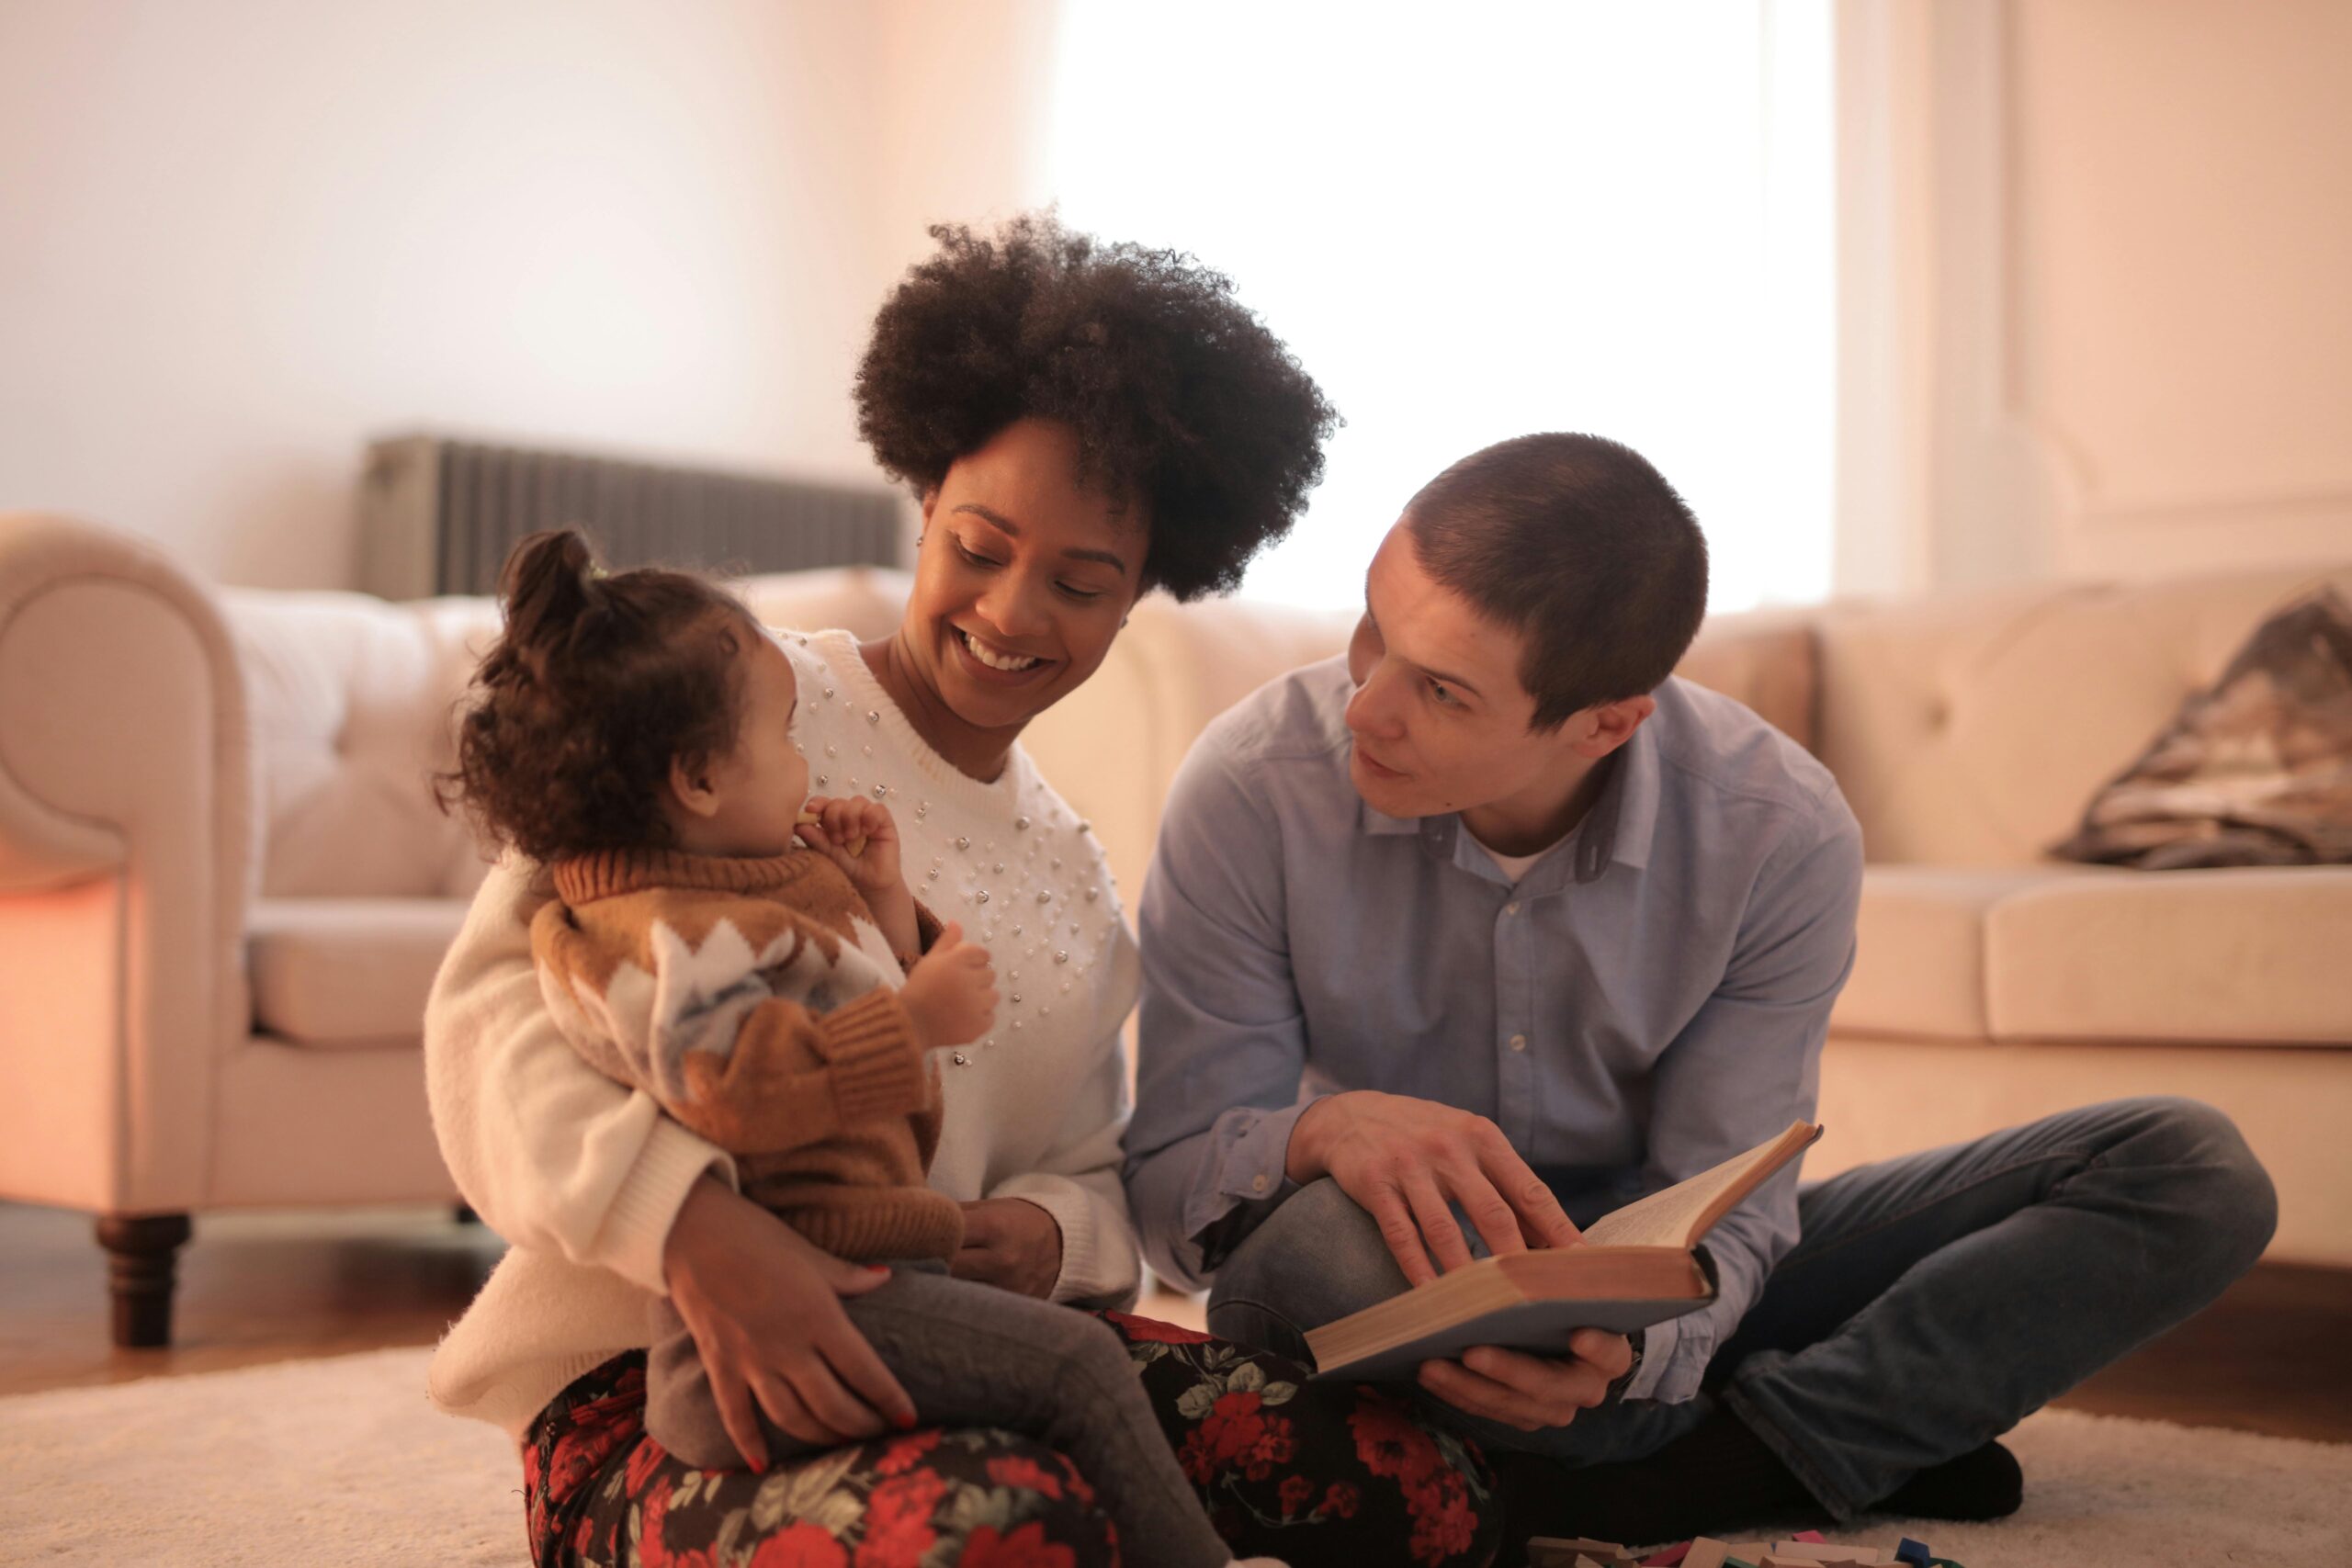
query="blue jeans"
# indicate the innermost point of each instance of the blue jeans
(1930, 1303)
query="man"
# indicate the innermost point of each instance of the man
(1492, 926)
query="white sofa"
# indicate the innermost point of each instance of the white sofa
(224, 885)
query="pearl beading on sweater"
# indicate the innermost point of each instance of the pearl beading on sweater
(1073, 923)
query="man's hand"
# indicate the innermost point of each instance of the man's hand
(763, 1307)
(1405, 1161)
(1013, 1244)
(1532, 1393)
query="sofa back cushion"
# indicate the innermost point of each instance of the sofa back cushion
(352, 703)
(1972, 729)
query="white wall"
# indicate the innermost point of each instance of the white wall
(2094, 320)
(2183, 289)
(237, 239)
(965, 105)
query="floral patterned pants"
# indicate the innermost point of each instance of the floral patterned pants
(1309, 1473)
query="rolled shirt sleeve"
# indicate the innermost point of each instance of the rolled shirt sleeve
(1223, 1040)
(1747, 1064)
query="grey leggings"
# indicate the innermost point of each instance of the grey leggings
(972, 1355)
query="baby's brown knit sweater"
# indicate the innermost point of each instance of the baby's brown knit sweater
(757, 1001)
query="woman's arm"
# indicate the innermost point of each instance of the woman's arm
(1077, 1179)
(551, 1153)
(764, 1309)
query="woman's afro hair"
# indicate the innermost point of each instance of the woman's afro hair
(1180, 396)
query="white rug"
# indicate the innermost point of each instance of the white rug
(342, 1462)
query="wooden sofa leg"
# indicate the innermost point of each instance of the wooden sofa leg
(143, 1253)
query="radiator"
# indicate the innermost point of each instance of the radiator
(439, 516)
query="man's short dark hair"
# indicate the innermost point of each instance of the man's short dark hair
(1581, 548)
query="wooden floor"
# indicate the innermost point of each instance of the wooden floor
(2274, 1355)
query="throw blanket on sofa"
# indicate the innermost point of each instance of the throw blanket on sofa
(2257, 770)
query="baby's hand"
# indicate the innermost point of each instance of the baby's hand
(951, 991)
(857, 835)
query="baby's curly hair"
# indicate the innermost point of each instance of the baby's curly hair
(1180, 395)
(567, 732)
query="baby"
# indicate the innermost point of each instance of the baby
(763, 972)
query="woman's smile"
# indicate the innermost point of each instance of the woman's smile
(993, 662)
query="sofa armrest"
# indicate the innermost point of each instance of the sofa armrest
(1770, 659)
(124, 827)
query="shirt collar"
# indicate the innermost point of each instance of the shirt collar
(1617, 831)
(1639, 783)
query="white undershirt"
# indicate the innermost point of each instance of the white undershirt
(1514, 867)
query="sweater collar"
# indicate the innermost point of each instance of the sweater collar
(608, 874)
(862, 696)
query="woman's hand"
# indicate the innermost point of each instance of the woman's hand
(764, 1309)
(1011, 1244)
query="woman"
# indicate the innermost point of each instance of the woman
(1082, 423)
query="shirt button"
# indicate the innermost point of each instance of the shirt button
(1519, 1042)
(1510, 908)
(1257, 1184)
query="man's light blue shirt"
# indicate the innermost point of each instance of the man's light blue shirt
(1647, 1001)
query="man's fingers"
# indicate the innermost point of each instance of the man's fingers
(1498, 1224)
(1479, 1395)
(1556, 1388)
(1541, 1218)
(734, 1401)
(1436, 1221)
(854, 1362)
(1404, 1238)
(1610, 1354)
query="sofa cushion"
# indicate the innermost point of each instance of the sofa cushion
(340, 973)
(352, 703)
(2251, 956)
(2257, 770)
(1919, 949)
(1969, 727)
(1764, 658)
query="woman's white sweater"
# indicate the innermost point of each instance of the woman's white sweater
(584, 1176)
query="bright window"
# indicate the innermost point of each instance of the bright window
(1473, 222)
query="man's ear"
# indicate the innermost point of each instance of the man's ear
(1610, 725)
(690, 787)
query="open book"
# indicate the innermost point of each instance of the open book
(1637, 1266)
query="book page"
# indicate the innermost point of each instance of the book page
(1688, 1210)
